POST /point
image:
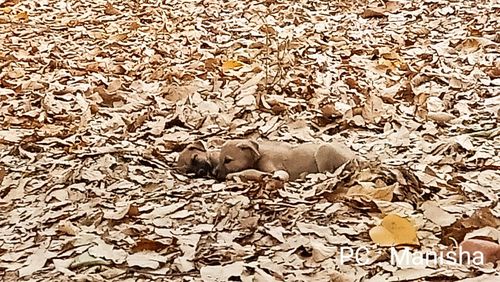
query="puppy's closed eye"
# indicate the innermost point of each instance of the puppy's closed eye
(228, 160)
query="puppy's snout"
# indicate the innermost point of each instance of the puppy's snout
(202, 172)
(202, 168)
(219, 173)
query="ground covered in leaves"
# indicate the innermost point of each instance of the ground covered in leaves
(98, 97)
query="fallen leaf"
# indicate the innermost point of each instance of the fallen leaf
(394, 231)
(22, 16)
(379, 193)
(2, 174)
(375, 12)
(231, 64)
(148, 245)
(440, 117)
(86, 260)
(145, 260)
(221, 273)
(106, 251)
(465, 141)
(110, 10)
(36, 261)
(437, 215)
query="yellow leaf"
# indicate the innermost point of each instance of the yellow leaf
(22, 16)
(394, 231)
(382, 236)
(6, 10)
(231, 64)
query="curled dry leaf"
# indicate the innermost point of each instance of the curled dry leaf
(87, 260)
(441, 117)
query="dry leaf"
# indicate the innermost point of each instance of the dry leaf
(110, 10)
(2, 174)
(437, 215)
(145, 260)
(441, 117)
(148, 245)
(231, 64)
(379, 193)
(36, 261)
(221, 273)
(22, 16)
(375, 12)
(394, 231)
(106, 251)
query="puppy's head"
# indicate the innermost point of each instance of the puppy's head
(236, 156)
(194, 159)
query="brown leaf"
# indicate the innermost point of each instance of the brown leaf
(110, 10)
(114, 85)
(375, 12)
(392, 6)
(148, 245)
(3, 172)
(481, 218)
(494, 72)
(134, 25)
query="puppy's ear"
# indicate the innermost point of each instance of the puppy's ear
(250, 145)
(197, 145)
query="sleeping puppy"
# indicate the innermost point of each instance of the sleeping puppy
(253, 160)
(195, 158)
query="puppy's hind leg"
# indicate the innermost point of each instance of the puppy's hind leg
(330, 157)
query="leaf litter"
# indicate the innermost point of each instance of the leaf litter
(98, 98)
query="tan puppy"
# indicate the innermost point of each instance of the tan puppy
(251, 159)
(195, 158)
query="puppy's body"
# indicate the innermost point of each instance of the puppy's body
(195, 158)
(237, 156)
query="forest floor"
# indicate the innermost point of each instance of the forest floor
(97, 98)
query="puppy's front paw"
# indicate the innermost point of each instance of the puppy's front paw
(248, 175)
(281, 175)
(233, 176)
